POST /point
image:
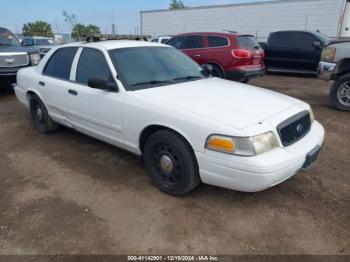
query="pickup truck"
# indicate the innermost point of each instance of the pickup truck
(13, 56)
(294, 51)
(335, 66)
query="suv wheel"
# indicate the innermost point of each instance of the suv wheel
(40, 117)
(171, 163)
(217, 72)
(340, 93)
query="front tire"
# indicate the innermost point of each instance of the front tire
(40, 117)
(171, 163)
(340, 93)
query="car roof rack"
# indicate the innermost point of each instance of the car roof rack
(105, 37)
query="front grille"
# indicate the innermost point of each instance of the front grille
(294, 128)
(13, 60)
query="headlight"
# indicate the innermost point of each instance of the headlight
(243, 146)
(34, 59)
(312, 115)
(328, 54)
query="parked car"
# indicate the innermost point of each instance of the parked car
(43, 44)
(161, 39)
(233, 56)
(294, 51)
(13, 56)
(335, 66)
(187, 126)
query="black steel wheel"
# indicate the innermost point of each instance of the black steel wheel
(171, 163)
(40, 117)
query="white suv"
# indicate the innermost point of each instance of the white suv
(153, 100)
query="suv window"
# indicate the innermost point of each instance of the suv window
(60, 63)
(282, 40)
(177, 42)
(92, 63)
(193, 41)
(217, 41)
(247, 42)
(304, 41)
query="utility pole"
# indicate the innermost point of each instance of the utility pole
(113, 26)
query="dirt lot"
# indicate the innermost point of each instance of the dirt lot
(66, 193)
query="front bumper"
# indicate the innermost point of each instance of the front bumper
(253, 174)
(244, 74)
(326, 70)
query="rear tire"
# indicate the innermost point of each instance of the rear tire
(340, 93)
(171, 163)
(40, 117)
(217, 72)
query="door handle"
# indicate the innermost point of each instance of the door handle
(73, 92)
(41, 83)
(196, 55)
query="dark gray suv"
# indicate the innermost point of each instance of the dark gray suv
(13, 57)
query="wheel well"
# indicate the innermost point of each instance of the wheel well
(344, 67)
(148, 131)
(29, 95)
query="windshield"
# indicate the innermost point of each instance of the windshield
(44, 42)
(146, 67)
(7, 39)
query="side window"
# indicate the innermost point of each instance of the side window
(193, 42)
(177, 42)
(304, 41)
(217, 41)
(92, 63)
(28, 42)
(60, 63)
(282, 40)
(155, 40)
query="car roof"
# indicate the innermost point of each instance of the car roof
(114, 44)
(226, 34)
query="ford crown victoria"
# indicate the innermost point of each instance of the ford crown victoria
(154, 101)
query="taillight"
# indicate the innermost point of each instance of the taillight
(241, 53)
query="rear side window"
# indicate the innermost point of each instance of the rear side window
(92, 63)
(282, 40)
(60, 63)
(247, 42)
(193, 42)
(217, 41)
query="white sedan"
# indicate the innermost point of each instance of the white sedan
(154, 101)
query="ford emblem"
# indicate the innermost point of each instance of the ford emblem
(300, 128)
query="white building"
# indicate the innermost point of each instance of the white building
(258, 18)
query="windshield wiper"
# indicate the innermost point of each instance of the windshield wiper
(187, 78)
(153, 82)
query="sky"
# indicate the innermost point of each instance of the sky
(124, 13)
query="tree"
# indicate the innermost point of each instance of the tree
(71, 19)
(80, 30)
(37, 28)
(175, 4)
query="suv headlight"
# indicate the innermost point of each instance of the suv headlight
(34, 59)
(328, 54)
(243, 146)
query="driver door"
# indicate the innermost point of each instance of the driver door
(95, 112)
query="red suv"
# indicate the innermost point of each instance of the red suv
(233, 56)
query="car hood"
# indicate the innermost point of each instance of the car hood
(234, 104)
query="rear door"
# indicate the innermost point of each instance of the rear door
(281, 51)
(55, 82)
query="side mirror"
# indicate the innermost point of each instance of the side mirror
(317, 45)
(100, 83)
(207, 70)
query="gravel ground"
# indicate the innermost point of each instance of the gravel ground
(66, 193)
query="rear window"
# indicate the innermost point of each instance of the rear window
(247, 42)
(217, 41)
(283, 39)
